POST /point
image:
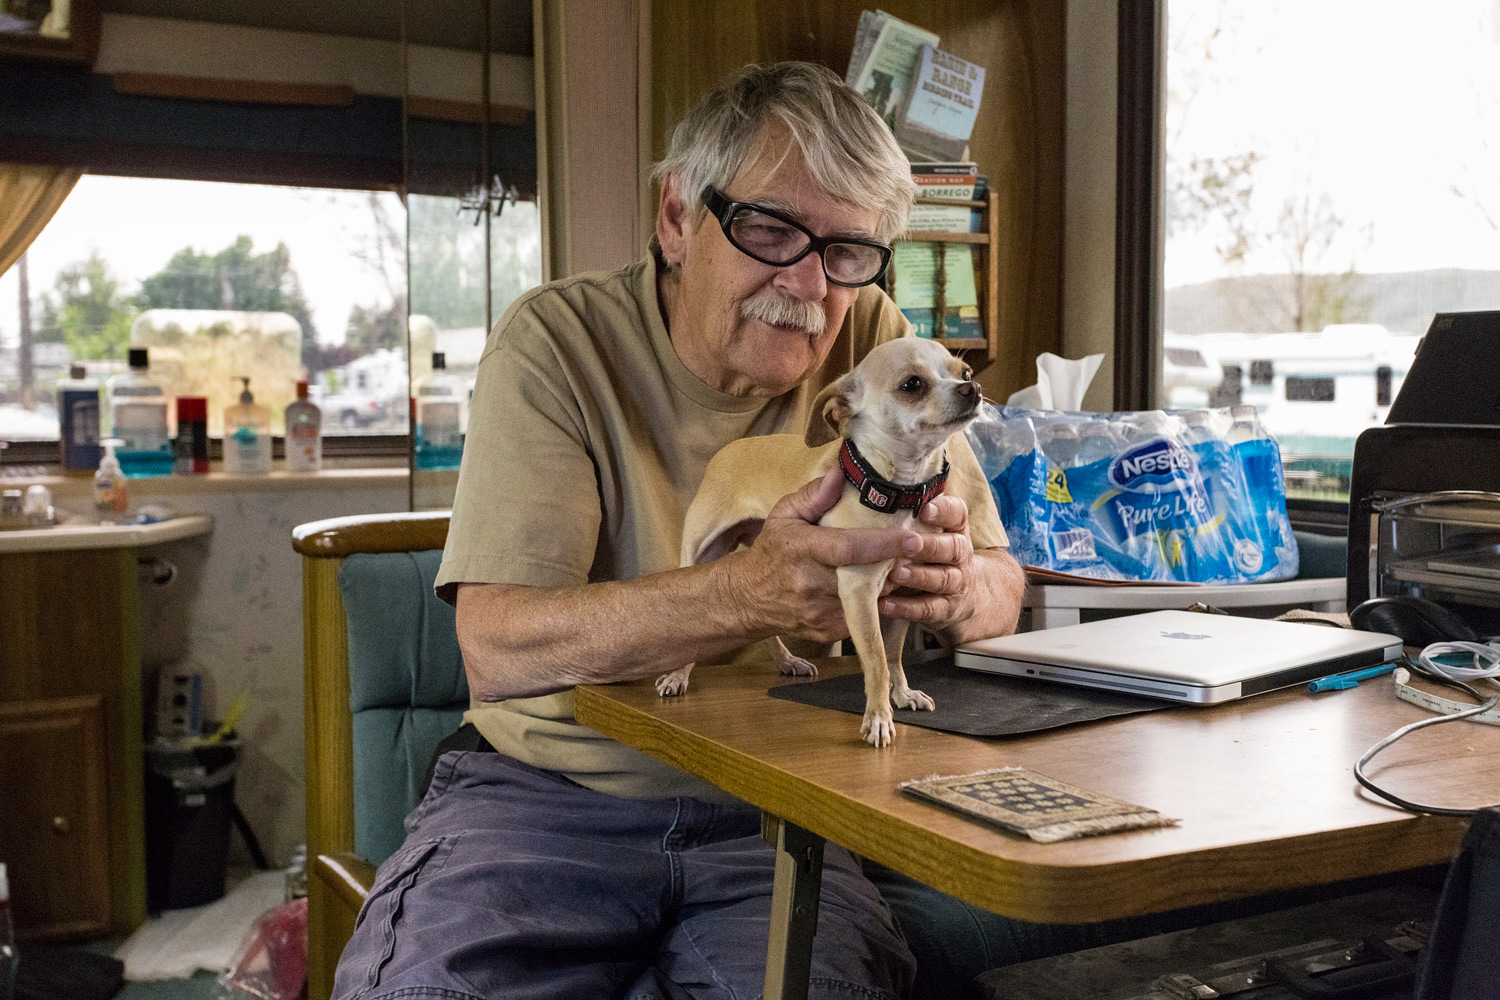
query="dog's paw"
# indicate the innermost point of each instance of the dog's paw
(913, 699)
(668, 685)
(878, 730)
(796, 666)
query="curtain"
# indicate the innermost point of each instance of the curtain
(29, 197)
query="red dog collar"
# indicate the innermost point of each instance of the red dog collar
(887, 497)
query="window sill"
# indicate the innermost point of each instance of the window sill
(367, 474)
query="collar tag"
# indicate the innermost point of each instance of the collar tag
(882, 495)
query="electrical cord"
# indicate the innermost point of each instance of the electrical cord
(1427, 665)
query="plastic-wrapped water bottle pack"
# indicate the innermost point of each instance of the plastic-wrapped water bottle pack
(1188, 495)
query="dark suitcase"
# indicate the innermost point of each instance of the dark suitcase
(1360, 947)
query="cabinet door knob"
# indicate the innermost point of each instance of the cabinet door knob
(61, 825)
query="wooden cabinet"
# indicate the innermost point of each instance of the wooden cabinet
(54, 831)
(71, 814)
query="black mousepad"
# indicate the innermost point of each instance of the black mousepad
(976, 704)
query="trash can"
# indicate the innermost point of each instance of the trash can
(189, 808)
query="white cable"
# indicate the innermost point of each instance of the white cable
(1486, 659)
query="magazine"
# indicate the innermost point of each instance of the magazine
(941, 106)
(885, 55)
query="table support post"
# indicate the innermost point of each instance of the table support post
(794, 907)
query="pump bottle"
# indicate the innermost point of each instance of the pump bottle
(111, 498)
(247, 435)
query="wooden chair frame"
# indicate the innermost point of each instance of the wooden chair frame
(338, 879)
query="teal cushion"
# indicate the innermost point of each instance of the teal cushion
(1321, 556)
(407, 688)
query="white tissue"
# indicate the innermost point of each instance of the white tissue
(1060, 383)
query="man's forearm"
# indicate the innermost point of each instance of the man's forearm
(525, 641)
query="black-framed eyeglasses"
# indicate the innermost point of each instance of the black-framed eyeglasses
(766, 235)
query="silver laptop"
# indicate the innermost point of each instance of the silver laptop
(1181, 655)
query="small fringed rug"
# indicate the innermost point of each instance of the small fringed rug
(1042, 808)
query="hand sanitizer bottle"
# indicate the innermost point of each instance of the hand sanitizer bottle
(440, 404)
(247, 435)
(304, 433)
(110, 496)
(138, 418)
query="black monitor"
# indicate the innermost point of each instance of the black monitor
(1455, 376)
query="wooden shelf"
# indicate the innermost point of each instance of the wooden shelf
(986, 278)
(938, 236)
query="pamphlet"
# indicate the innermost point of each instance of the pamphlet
(941, 106)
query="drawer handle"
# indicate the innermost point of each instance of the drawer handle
(61, 825)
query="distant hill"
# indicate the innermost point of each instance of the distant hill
(1402, 302)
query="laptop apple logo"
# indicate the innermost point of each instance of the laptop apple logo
(1182, 635)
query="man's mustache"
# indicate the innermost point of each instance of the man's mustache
(772, 307)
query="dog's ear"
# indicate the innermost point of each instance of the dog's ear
(829, 412)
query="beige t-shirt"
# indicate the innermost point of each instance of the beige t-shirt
(587, 441)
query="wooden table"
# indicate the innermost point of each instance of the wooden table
(1263, 788)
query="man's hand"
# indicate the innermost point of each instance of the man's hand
(787, 582)
(950, 589)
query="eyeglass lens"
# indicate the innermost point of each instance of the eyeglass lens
(775, 242)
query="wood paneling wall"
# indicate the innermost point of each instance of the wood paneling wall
(1018, 141)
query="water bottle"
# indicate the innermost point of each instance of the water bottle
(138, 417)
(1097, 442)
(1059, 440)
(440, 402)
(1199, 427)
(7, 940)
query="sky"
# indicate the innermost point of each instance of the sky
(138, 224)
(1385, 105)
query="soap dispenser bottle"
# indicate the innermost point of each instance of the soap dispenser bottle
(111, 498)
(247, 435)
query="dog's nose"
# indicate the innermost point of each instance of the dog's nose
(967, 389)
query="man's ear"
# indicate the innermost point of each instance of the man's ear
(673, 219)
(830, 411)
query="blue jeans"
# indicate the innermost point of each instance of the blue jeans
(515, 882)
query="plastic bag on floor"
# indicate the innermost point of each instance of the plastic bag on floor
(272, 962)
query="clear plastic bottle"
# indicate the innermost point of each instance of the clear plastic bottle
(138, 418)
(1246, 426)
(78, 419)
(7, 939)
(1097, 442)
(1200, 429)
(440, 404)
(247, 435)
(1059, 440)
(111, 497)
(304, 433)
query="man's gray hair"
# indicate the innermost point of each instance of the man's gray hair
(849, 151)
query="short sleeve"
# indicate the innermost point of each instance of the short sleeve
(527, 506)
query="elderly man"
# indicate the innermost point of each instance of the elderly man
(554, 862)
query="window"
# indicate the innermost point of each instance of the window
(274, 283)
(1185, 357)
(1332, 180)
(1383, 386)
(1306, 389)
(1231, 390)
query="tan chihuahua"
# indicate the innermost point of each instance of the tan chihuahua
(895, 425)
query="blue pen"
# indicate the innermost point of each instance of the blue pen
(1343, 682)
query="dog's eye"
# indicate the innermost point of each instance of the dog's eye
(968, 374)
(913, 384)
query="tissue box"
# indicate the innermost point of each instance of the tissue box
(1185, 496)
